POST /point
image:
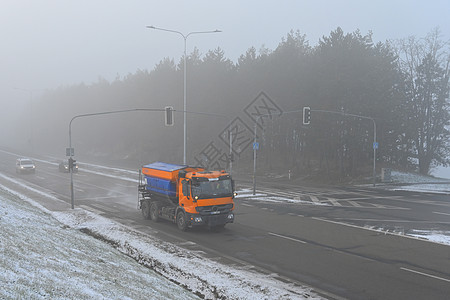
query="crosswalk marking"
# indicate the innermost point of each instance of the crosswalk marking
(319, 198)
(356, 204)
(314, 199)
(334, 202)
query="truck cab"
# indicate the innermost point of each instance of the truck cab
(188, 196)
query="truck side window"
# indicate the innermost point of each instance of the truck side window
(185, 187)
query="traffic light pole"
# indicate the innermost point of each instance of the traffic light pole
(90, 115)
(308, 110)
(168, 112)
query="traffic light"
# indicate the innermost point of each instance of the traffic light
(306, 115)
(169, 115)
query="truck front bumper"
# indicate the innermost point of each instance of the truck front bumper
(211, 220)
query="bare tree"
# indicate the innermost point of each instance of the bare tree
(425, 63)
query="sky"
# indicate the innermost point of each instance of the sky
(51, 43)
(48, 44)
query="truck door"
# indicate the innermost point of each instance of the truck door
(185, 188)
(186, 192)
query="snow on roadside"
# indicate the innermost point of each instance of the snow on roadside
(418, 183)
(42, 258)
(82, 272)
(440, 237)
(402, 177)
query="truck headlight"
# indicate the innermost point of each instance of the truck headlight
(230, 216)
(198, 219)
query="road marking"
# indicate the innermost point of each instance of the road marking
(288, 238)
(425, 274)
(104, 208)
(392, 220)
(334, 202)
(378, 205)
(91, 209)
(355, 204)
(314, 199)
(440, 213)
(245, 204)
(376, 230)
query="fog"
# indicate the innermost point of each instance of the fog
(69, 47)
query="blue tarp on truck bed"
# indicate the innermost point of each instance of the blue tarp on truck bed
(162, 187)
(161, 177)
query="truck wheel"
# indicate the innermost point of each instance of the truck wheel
(154, 211)
(145, 207)
(181, 221)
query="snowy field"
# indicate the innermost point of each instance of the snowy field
(42, 258)
(48, 255)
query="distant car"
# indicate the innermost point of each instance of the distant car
(64, 167)
(25, 165)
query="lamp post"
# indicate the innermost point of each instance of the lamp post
(185, 37)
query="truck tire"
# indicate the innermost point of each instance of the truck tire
(154, 211)
(181, 221)
(145, 208)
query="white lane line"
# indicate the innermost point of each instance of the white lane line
(391, 220)
(375, 230)
(425, 274)
(377, 205)
(288, 238)
(99, 198)
(245, 204)
(334, 202)
(355, 204)
(91, 209)
(314, 199)
(104, 208)
(440, 213)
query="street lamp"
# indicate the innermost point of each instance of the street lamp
(185, 37)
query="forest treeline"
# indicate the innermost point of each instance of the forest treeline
(402, 85)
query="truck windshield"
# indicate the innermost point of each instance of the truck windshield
(212, 189)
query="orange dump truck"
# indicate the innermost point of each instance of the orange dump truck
(188, 196)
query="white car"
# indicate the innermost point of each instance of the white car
(25, 165)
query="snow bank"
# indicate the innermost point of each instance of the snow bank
(55, 260)
(42, 258)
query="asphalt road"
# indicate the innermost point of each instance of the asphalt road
(327, 237)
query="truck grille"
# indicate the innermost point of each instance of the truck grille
(214, 209)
